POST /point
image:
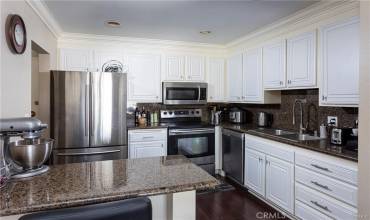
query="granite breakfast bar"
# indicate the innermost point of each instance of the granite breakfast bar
(170, 182)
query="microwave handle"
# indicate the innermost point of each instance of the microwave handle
(198, 93)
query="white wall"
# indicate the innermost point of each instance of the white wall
(364, 116)
(15, 75)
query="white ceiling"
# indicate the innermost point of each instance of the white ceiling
(172, 19)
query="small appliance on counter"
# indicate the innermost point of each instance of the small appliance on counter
(25, 157)
(215, 116)
(237, 116)
(264, 119)
(342, 136)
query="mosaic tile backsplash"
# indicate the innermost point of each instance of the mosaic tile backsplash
(282, 113)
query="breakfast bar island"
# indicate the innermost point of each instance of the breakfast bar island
(170, 182)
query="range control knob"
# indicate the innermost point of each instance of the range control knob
(170, 113)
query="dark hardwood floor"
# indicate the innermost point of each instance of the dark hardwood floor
(235, 204)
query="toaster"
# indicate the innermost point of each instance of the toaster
(340, 136)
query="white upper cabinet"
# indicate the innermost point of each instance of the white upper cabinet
(216, 79)
(178, 67)
(144, 77)
(301, 60)
(101, 57)
(75, 59)
(274, 65)
(195, 68)
(174, 67)
(235, 78)
(252, 76)
(340, 63)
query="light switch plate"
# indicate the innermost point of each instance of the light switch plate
(333, 121)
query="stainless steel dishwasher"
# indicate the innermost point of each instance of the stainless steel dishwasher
(233, 155)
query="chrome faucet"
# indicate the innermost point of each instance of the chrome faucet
(300, 101)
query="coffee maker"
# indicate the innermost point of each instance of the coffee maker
(23, 157)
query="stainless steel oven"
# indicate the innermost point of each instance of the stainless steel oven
(197, 144)
(176, 93)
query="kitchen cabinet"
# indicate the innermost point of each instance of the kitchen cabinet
(147, 149)
(147, 143)
(235, 78)
(255, 171)
(280, 183)
(274, 65)
(103, 56)
(74, 59)
(253, 91)
(179, 67)
(301, 61)
(269, 171)
(216, 79)
(340, 63)
(144, 77)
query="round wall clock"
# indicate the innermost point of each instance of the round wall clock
(16, 34)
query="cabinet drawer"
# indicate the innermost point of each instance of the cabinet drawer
(339, 190)
(325, 204)
(272, 148)
(305, 212)
(327, 168)
(147, 135)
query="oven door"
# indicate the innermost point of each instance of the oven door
(184, 93)
(192, 143)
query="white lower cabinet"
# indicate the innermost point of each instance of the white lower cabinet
(270, 177)
(280, 183)
(255, 171)
(147, 143)
(303, 183)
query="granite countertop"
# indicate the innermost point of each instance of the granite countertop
(103, 181)
(148, 126)
(323, 146)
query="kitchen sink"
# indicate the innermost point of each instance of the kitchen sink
(287, 135)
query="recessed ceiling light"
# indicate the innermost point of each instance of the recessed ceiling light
(205, 32)
(113, 23)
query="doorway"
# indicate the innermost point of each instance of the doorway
(40, 85)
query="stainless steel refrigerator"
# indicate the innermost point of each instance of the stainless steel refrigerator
(88, 116)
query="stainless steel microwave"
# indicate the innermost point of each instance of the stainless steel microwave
(179, 93)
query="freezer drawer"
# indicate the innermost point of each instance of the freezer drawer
(88, 154)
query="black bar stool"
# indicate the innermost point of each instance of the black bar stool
(128, 209)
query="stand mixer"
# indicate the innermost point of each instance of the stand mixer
(25, 157)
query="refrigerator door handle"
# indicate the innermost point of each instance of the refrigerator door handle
(86, 109)
(88, 153)
(92, 103)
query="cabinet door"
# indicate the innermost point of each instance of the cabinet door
(255, 171)
(274, 65)
(252, 76)
(195, 68)
(144, 77)
(340, 60)
(280, 183)
(216, 79)
(75, 59)
(103, 56)
(235, 77)
(174, 66)
(301, 60)
(147, 149)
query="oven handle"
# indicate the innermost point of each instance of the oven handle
(198, 93)
(192, 131)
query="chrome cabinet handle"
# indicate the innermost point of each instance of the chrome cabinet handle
(321, 206)
(320, 185)
(148, 137)
(320, 167)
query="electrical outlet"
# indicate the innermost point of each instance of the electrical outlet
(333, 121)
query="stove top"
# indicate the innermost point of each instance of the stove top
(187, 125)
(183, 118)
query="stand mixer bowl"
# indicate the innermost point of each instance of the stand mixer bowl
(30, 153)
